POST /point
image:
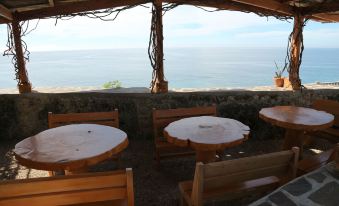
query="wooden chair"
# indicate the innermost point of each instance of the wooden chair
(107, 188)
(161, 118)
(102, 118)
(236, 178)
(312, 163)
(332, 107)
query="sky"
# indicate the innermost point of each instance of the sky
(184, 26)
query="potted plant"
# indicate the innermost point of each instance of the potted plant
(279, 79)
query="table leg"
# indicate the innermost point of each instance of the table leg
(76, 171)
(205, 156)
(294, 138)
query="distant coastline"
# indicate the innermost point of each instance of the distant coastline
(327, 85)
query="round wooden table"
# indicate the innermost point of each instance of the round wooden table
(71, 148)
(296, 120)
(206, 135)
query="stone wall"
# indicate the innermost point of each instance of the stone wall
(25, 115)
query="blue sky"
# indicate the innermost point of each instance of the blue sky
(184, 26)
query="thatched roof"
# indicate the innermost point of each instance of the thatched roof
(319, 10)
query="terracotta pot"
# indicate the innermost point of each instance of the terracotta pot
(279, 82)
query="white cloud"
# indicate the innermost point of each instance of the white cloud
(183, 26)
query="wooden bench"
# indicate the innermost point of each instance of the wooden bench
(312, 163)
(161, 118)
(332, 107)
(236, 178)
(107, 188)
(102, 118)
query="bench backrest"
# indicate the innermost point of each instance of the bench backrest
(161, 118)
(329, 106)
(218, 175)
(115, 187)
(102, 118)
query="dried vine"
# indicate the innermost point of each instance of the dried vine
(11, 51)
(104, 14)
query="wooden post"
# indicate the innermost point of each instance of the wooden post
(24, 85)
(296, 43)
(161, 86)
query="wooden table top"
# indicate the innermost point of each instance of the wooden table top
(297, 118)
(206, 133)
(70, 147)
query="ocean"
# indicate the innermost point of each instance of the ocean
(184, 67)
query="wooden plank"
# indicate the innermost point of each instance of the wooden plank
(219, 181)
(102, 118)
(42, 186)
(329, 106)
(185, 112)
(198, 185)
(268, 4)
(331, 18)
(67, 198)
(65, 190)
(5, 13)
(75, 7)
(248, 163)
(130, 192)
(230, 191)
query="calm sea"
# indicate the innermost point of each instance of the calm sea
(184, 67)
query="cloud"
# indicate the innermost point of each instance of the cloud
(183, 26)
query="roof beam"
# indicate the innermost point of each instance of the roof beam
(283, 8)
(328, 17)
(75, 7)
(268, 4)
(226, 5)
(213, 4)
(320, 8)
(5, 13)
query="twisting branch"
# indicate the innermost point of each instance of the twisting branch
(295, 49)
(153, 48)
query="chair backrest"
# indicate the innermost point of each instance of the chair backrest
(329, 106)
(161, 118)
(102, 118)
(218, 175)
(114, 187)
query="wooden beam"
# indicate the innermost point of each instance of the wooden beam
(325, 7)
(281, 7)
(227, 5)
(268, 4)
(75, 7)
(330, 18)
(212, 4)
(5, 13)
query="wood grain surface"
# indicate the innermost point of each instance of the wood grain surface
(70, 147)
(297, 118)
(206, 133)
